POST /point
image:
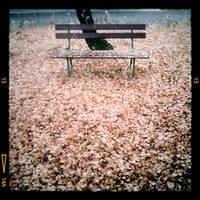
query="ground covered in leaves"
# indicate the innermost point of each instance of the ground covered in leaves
(101, 129)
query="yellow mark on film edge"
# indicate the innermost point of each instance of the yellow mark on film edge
(3, 158)
(3, 80)
(3, 182)
(196, 80)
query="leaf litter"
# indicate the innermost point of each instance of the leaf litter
(100, 129)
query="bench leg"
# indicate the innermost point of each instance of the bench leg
(131, 61)
(71, 63)
(69, 66)
(132, 66)
(133, 69)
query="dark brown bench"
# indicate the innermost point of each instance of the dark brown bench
(103, 54)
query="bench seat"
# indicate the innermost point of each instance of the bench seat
(121, 54)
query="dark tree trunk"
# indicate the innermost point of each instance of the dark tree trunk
(85, 17)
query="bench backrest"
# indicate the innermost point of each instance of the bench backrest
(86, 28)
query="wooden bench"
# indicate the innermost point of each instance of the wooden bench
(103, 54)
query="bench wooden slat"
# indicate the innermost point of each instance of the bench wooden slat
(125, 54)
(100, 26)
(99, 35)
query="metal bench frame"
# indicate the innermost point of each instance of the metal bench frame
(112, 54)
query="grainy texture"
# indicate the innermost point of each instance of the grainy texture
(101, 54)
(101, 129)
(100, 26)
(99, 35)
